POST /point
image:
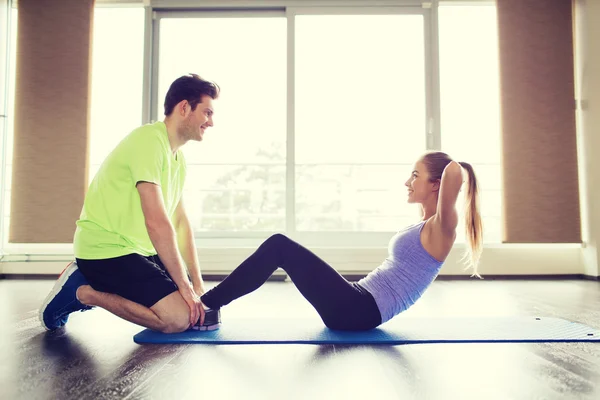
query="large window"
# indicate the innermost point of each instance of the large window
(360, 112)
(359, 106)
(117, 79)
(470, 101)
(236, 175)
(320, 137)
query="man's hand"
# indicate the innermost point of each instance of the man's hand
(164, 238)
(199, 290)
(194, 303)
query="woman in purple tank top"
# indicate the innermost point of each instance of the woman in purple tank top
(435, 184)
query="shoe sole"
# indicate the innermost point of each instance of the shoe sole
(62, 279)
(207, 328)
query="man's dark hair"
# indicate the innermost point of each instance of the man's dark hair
(191, 88)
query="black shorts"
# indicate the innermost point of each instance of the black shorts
(143, 280)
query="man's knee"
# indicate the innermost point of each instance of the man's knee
(177, 326)
(173, 313)
(175, 323)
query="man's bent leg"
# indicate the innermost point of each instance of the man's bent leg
(62, 300)
(137, 289)
(168, 315)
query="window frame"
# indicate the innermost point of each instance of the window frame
(432, 134)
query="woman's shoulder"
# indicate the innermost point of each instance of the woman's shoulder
(435, 240)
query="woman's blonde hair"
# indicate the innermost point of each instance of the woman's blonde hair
(436, 162)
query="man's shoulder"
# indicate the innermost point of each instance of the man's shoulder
(148, 135)
(156, 130)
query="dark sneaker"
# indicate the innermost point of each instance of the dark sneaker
(61, 300)
(212, 321)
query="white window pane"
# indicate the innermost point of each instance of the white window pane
(491, 203)
(236, 175)
(360, 99)
(470, 102)
(489, 176)
(3, 179)
(6, 179)
(470, 83)
(246, 57)
(236, 197)
(7, 201)
(492, 230)
(352, 197)
(117, 78)
(360, 90)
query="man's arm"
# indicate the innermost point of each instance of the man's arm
(163, 237)
(187, 247)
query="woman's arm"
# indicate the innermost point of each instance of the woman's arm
(451, 182)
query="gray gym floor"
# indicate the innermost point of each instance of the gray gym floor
(96, 358)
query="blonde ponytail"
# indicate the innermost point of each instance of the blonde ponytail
(473, 224)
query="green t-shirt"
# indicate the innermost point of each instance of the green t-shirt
(112, 223)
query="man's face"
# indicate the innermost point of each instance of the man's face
(197, 121)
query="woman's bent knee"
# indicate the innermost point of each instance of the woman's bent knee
(278, 238)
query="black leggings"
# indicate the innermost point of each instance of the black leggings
(341, 304)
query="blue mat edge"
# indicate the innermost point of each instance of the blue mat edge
(388, 341)
(365, 342)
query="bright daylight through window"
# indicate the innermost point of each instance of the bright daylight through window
(236, 175)
(359, 113)
(360, 120)
(470, 102)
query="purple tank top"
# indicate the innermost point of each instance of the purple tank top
(403, 276)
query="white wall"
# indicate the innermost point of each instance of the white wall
(587, 56)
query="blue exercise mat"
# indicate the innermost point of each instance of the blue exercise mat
(398, 331)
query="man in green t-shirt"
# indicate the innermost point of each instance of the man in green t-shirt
(134, 246)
